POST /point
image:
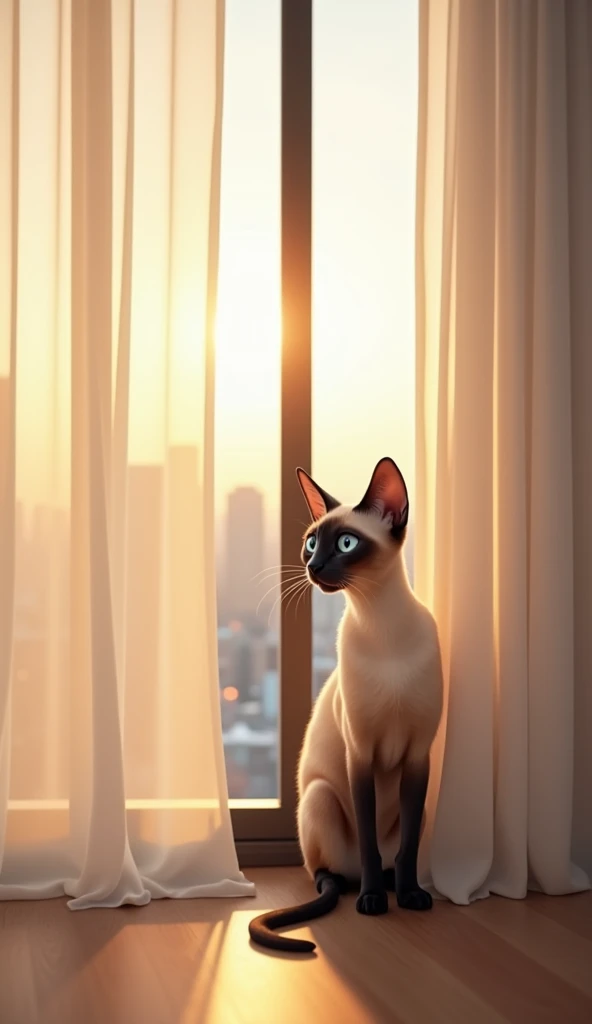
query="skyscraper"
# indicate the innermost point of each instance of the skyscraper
(143, 619)
(244, 551)
(187, 662)
(41, 667)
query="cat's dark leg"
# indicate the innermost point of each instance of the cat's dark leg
(414, 784)
(388, 878)
(373, 897)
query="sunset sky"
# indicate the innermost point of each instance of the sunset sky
(364, 154)
(365, 107)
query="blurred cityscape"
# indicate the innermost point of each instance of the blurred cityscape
(249, 647)
(248, 635)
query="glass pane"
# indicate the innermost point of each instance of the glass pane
(248, 400)
(364, 159)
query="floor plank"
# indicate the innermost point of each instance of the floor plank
(188, 961)
(560, 950)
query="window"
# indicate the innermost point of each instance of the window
(248, 385)
(363, 375)
(317, 215)
(263, 408)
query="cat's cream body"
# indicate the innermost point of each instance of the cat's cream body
(382, 704)
(364, 766)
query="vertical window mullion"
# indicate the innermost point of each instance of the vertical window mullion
(257, 829)
(296, 249)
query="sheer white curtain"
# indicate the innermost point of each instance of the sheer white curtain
(112, 782)
(504, 251)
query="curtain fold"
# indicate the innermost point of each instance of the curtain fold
(504, 144)
(112, 782)
(9, 42)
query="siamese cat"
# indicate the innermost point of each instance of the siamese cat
(364, 765)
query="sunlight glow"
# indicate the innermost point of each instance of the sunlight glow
(268, 982)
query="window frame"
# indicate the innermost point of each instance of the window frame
(264, 834)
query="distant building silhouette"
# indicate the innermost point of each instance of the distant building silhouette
(187, 660)
(143, 605)
(244, 551)
(41, 665)
(167, 662)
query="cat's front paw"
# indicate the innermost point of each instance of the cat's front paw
(373, 902)
(414, 899)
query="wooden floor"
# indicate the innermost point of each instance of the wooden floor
(191, 961)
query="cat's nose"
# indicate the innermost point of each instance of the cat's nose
(315, 568)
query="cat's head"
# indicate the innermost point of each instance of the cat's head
(345, 546)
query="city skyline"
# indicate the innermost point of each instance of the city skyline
(27, 514)
(364, 88)
(354, 475)
(161, 662)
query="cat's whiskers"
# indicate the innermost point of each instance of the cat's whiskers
(281, 566)
(282, 595)
(291, 579)
(300, 596)
(365, 579)
(298, 593)
(280, 572)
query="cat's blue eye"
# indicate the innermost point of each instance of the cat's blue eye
(311, 543)
(346, 543)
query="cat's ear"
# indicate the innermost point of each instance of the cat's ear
(387, 495)
(318, 501)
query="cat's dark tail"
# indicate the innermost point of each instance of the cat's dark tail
(262, 928)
